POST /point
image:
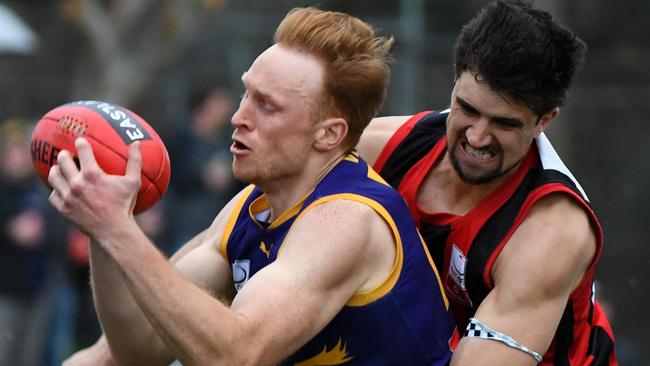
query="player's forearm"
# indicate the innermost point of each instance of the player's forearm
(195, 327)
(131, 338)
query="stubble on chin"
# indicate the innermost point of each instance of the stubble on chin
(466, 176)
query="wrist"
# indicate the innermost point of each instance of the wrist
(120, 239)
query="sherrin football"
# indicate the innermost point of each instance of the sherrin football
(110, 129)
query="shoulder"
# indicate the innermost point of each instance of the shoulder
(554, 245)
(347, 236)
(564, 223)
(377, 134)
(340, 217)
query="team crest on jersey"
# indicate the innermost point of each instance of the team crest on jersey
(241, 269)
(338, 355)
(455, 281)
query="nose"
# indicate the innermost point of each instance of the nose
(478, 134)
(241, 118)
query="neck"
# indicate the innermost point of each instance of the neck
(285, 193)
(444, 191)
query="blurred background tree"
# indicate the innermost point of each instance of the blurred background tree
(152, 56)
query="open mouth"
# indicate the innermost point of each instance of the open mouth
(239, 147)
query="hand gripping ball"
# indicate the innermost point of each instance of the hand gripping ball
(110, 129)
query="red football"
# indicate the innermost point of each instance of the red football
(110, 129)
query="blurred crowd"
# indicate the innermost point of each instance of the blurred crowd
(46, 308)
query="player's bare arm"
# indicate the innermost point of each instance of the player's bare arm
(332, 253)
(533, 276)
(118, 312)
(100, 353)
(200, 262)
(195, 326)
(376, 135)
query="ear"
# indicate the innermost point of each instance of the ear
(546, 120)
(330, 133)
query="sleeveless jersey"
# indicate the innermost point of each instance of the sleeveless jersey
(465, 247)
(404, 321)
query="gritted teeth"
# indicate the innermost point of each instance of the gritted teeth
(483, 154)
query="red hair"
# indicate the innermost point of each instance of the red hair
(355, 60)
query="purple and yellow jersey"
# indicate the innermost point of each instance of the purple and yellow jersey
(404, 321)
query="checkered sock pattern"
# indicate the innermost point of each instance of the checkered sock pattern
(476, 329)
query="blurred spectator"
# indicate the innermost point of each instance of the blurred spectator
(75, 324)
(30, 235)
(201, 162)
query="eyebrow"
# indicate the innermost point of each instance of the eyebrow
(502, 120)
(258, 92)
(466, 105)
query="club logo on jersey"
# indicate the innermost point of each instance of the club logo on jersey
(455, 281)
(241, 269)
(265, 249)
(338, 355)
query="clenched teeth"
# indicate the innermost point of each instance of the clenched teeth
(482, 154)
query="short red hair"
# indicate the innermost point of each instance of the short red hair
(356, 63)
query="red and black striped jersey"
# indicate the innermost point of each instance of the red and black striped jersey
(465, 247)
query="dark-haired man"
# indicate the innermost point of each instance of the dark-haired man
(505, 220)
